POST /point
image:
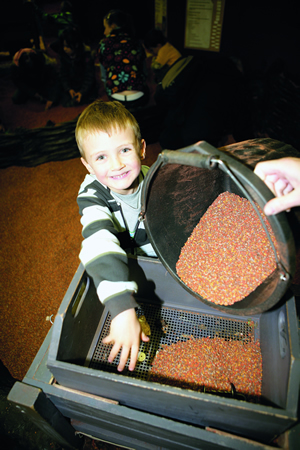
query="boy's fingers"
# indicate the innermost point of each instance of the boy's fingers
(113, 353)
(123, 358)
(133, 357)
(144, 337)
(107, 340)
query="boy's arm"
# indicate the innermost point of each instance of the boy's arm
(106, 262)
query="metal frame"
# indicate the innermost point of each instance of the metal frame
(63, 413)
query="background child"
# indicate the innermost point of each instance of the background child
(35, 76)
(164, 53)
(77, 71)
(109, 199)
(122, 58)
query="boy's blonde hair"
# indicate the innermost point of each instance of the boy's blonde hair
(106, 117)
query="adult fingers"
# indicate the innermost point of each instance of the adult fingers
(283, 203)
(280, 186)
(288, 189)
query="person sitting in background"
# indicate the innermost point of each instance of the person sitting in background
(164, 54)
(59, 21)
(35, 76)
(123, 59)
(282, 176)
(77, 70)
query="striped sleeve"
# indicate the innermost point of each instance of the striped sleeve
(102, 256)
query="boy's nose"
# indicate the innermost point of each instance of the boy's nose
(117, 163)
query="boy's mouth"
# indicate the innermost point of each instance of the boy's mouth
(121, 176)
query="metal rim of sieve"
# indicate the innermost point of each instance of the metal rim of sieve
(203, 155)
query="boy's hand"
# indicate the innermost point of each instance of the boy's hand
(125, 333)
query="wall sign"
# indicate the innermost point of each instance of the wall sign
(203, 25)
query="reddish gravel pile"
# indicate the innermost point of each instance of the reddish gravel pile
(228, 253)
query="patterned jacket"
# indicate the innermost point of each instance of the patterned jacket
(123, 58)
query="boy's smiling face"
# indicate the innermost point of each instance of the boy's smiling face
(114, 159)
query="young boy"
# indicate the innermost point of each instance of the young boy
(109, 199)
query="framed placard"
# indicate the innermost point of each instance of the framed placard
(203, 24)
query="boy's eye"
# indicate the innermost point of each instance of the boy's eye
(100, 157)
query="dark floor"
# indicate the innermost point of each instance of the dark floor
(17, 431)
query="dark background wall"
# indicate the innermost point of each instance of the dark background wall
(258, 32)
(90, 14)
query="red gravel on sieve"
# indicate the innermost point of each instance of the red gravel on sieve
(215, 364)
(228, 254)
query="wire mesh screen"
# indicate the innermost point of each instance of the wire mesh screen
(168, 326)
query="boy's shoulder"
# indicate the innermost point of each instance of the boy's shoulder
(91, 185)
(88, 179)
(144, 170)
(93, 193)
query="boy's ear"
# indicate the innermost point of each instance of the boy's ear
(87, 166)
(143, 149)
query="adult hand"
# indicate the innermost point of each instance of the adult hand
(125, 333)
(282, 176)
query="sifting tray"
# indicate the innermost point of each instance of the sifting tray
(169, 326)
(77, 359)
